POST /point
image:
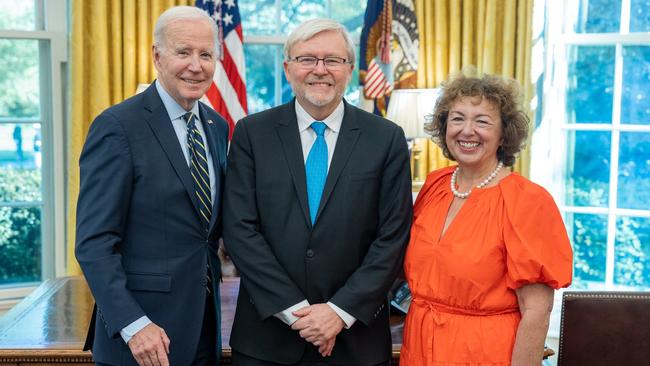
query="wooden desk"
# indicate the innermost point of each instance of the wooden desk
(49, 326)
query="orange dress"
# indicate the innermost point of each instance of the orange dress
(464, 309)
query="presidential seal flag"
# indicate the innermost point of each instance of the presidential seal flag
(389, 51)
(405, 45)
(227, 94)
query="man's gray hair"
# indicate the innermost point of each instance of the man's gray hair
(308, 29)
(176, 13)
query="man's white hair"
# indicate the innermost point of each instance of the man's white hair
(175, 13)
(308, 29)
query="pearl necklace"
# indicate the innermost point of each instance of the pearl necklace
(484, 183)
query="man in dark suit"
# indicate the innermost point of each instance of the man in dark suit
(148, 217)
(317, 211)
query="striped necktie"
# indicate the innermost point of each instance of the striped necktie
(200, 177)
(199, 169)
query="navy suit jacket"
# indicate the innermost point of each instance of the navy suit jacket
(140, 241)
(350, 256)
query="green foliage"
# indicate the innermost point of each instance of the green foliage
(20, 227)
(20, 185)
(18, 69)
(590, 247)
(632, 256)
(587, 192)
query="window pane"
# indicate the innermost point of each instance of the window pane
(258, 17)
(590, 84)
(17, 15)
(287, 92)
(350, 13)
(640, 16)
(352, 91)
(595, 16)
(20, 163)
(634, 171)
(635, 106)
(19, 78)
(587, 168)
(295, 12)
(588, 233)
(20, 244)
(261, 66)
(632, 267)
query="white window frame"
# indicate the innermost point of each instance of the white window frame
(53, 15)
(549, 143)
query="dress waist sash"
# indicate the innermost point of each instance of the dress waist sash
(436, 308)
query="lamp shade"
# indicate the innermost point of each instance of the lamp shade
(409, 108)
(141, 88)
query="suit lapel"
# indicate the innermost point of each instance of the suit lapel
(287, 128)
(162, 127)
(344, 144)
(218, 160)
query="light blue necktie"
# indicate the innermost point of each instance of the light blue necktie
(316, 169)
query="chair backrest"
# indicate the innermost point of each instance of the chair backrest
(605, 328)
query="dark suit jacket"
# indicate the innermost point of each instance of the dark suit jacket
(140, 241)
(349, 257)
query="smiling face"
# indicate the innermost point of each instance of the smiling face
(185, 60)
(474, 130)
(318, 89)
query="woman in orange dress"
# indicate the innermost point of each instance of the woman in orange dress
(487, 246)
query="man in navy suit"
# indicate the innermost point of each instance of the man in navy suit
(148, 213)
(317, 212)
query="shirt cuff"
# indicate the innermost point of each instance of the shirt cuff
(130, 330)
(286, 315)
(347, 318)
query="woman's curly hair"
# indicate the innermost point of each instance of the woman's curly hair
(505, 96)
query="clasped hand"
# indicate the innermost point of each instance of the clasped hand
(319, 324)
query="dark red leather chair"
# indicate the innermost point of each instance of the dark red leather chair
(605, 328)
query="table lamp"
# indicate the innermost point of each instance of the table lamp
(409, 108)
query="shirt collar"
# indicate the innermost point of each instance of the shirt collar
(333, 121)
(174, 109)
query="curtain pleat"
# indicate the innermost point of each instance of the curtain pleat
(469, 51)
(129, 46)
(455, 34)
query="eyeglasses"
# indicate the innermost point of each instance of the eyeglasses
(330, 62)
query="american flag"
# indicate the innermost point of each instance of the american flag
(227, 94)
(375, 74)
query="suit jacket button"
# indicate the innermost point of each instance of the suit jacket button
(204, 282)
(310, 253)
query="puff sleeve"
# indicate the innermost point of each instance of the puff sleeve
(537, 246)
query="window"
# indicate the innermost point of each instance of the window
(595, 132)
(266, 25)
(31, 119)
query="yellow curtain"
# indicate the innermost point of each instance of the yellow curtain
(492, 35)
(111, 55)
